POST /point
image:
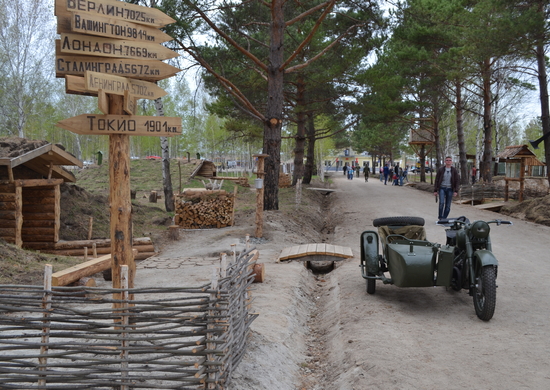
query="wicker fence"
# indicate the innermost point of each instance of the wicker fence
(164, 338)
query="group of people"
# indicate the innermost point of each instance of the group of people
(356, 170)
(396, 175)
(447, 181)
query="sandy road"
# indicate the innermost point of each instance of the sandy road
(327, 333)
(430, 338)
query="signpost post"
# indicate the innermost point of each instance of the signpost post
(111, 49)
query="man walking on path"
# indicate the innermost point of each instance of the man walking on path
(386, 173)
(366, 173)
(447, 185)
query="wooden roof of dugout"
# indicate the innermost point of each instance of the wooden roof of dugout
(518, 152)
(41, 157)
(205, 169)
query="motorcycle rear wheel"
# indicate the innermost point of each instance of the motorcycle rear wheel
(485, 293)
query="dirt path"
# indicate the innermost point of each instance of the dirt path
(326, 333)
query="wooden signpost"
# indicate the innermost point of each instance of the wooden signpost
(111, 49)
(151, 70)
(91, 124)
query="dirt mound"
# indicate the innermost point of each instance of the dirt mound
(15, 146)
(535, 210)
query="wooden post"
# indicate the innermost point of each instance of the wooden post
(260, 195)
(124, 321)
(210, 337)
(120, 202)
(45, 339)
(521, 179)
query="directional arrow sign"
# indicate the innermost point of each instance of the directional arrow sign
(84, 23)
(116, 9)
(106, 47)
(122, 124)
(139, 69)
(118, 85)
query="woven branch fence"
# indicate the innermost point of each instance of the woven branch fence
(163, 338)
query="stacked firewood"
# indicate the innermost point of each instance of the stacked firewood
(203, 209)
(285, 180)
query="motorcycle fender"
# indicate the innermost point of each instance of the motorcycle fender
(369, 253)
(486, 257)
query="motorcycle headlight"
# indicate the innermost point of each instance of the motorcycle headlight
(480, 229)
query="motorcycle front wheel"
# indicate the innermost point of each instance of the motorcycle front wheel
(371, 284)
(485, 292)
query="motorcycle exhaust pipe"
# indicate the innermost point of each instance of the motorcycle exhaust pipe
(535, 144)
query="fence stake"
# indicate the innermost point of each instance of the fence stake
(234, 250)
(247, 241)
(45, 339)
(223, 265)
(124, 327)
(210, 336)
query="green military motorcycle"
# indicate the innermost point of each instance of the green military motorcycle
(465, 261)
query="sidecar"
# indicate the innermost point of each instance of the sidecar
(400, 248)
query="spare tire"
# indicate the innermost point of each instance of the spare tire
(398, 221)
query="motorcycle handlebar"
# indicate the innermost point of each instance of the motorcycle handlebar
(449, 222)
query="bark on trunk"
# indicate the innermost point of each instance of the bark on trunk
(274, 111)
(310, 160)
(464, 177)
(544, 109)
(486, 171)
(300, 133)
(166, 176)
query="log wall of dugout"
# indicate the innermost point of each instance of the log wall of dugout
(30, 211)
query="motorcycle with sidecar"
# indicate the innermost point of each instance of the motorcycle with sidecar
(465, 261)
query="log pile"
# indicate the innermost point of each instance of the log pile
(143, 245)
(285, 180)
(203, 209)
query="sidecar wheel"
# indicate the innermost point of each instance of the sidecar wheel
(398, 221)
(485, 294)
(371, 284)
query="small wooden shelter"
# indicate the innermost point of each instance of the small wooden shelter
(519, 161)
(31, 173)
(205, 169)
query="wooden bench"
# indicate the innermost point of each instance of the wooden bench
(337, 252)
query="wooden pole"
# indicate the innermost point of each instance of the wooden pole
(45, 338)
(120, 201)
(260, 196)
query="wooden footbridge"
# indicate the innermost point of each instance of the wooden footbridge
(326, 252)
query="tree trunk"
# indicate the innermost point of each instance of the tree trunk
(310, 160)
(274, 111)
(300, 133)
(166, 176)
(486, 172)
(544, 109)
(463, 160)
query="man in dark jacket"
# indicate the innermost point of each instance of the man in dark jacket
(447, 185)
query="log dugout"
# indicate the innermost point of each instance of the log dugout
(11, 217)
(204, 209)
